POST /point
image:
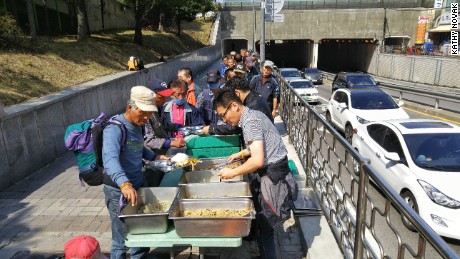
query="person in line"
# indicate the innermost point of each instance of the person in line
(274, 189)
(251, 70)
(185, 74)
(124, 166)
(178, 113)
(249, 98)
(229, 73)
(266, 85)
(155, 135)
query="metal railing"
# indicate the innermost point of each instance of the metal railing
(365, 217)
(329, 4)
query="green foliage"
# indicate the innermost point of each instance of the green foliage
(10, 33)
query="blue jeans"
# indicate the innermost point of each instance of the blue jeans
(119, 231)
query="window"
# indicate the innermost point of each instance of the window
(377, 132)
(391, 143)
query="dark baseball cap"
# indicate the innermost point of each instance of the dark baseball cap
(159, 87)
(213, 76)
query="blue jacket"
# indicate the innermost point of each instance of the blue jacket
(192, 117)
(267, 91)
(124, 165)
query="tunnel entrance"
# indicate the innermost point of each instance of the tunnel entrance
(289, 53)
(350, 55)
(233, 45)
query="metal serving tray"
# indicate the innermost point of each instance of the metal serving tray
(212, 227)
(207, 163)
(206, 176)
(148, 223)
(215, 190)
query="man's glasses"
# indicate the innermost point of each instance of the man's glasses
(225, 113)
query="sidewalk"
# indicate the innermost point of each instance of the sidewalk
(46, 209)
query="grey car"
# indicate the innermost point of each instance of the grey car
(313, 74)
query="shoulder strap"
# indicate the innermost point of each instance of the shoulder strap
(122, 128)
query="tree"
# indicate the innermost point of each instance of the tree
(187, 10)
(140, 7)
(71, 10)
(31, 18)
(82, 19)
(47, 20)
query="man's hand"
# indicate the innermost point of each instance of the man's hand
(129, 193)
(226, 173)
(178, 142)
(233, 157)
(206, 130)
(274, 113)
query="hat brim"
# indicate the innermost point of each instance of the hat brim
(147, 107)
(166, 92)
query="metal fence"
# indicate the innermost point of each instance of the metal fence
(329, 4)
(366, 218)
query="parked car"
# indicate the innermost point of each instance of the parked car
(348, 108)
(353, 80)
(313, 74)
(306, 89)
(419, 159)
(289, 73)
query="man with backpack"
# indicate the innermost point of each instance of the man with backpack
(124, 164)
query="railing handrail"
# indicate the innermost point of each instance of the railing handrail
(289, 100)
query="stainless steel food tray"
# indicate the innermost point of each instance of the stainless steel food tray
(215, 190)
(212, 227)
(206, 176)
(207, 163)
(307, 202)
(148, 223)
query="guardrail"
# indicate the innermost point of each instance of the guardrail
(364, 217)
(335, 4)
(436, 97)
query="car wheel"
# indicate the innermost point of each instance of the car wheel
(409, 198)
(349, 133)
(328, 118)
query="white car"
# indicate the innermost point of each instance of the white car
(419, 159)
(305, 89)
(290, 73)
(349, 108)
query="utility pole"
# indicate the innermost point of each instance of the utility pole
(253, 28)
(262, 31)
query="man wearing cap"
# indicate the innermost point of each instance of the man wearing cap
(251, 70)
(155, 136)
(239, 71)
(185, 74)
(123, 166)
(266, 85)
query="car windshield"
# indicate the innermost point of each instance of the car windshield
(290, 73)
(372, 100)
(302, 84)
(354, 81)
(311, 70)
(435, 151)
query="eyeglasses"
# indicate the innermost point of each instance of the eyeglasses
(225, 113)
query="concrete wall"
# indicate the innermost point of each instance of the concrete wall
(32, 133)
(417, 69)
(115, 17)
(323, 24)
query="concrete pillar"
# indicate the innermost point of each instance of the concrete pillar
(314, 54)
(2, 111)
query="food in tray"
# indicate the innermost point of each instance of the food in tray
(231, 166)
(182, 159)
(216, 213)
(155, 207)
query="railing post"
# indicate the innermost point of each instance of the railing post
(400, 95)
(309, 141)
(436, 103)
(361, 210)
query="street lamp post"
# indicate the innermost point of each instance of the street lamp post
(262, 31)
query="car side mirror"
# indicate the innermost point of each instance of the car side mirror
(377, 82)
(342, 105)
(401, 103)
(392, 156)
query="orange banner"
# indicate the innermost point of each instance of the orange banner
(421, 29)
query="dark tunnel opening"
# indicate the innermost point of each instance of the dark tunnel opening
(288, 53)
(350, 55)
(229, 45)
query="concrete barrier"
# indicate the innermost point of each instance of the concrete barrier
(32, 133)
